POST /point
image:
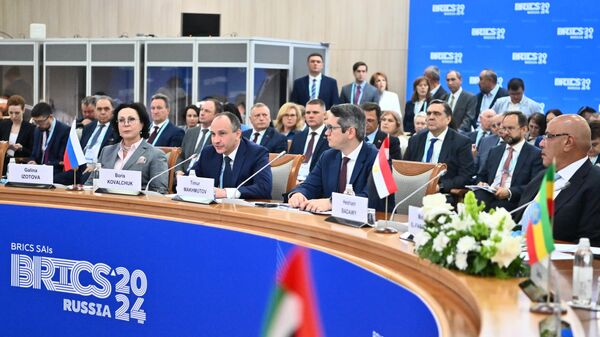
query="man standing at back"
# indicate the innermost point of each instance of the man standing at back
(516, 100)
(162, 131)
(462, 102)
(263, 134)
(359, 91)
(489, 92)
(432, 73)
(197, 138)
(315, 84)
(311, 142)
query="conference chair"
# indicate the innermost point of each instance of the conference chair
(409, 176)
(172, 154)
(289, 145)
(285, 173)
(3, 149)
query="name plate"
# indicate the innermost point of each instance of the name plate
(196, 187)
(349, 207)
(415, 220)
(120, 180)
(30, 174)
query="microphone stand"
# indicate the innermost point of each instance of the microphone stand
(167, 170)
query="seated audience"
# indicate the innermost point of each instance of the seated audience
(162, 131)
(192, 114)
(536, 124)
(391, 123)
(484, 129)
(232, 159)
(594, 152)
(17, 132)
(420, 121)
(374, 135)
(488, 142)
(263, 134)
(289, 120)
(550, 114)
(586, 112)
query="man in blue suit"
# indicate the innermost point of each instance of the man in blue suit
(359, 91)
(232, 159)
(99, 133)
(263, 134)
(162, 131)
(311, 142)
(511, 166)
(49, 142)
(315, 84)
(349, 161)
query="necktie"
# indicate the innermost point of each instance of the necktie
(343, 174)
(313, 89)
(153, 135)
(256, 134)
(309, 148)
(430, 150)
(96, 136)
(506, 167)
(452, 101)
(357, 94)
(200, 144)
(44, 152)
(225, 179)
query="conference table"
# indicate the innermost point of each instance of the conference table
(462, 305)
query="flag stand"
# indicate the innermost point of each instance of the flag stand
(551, 306)
(387, 229)
(75, 187)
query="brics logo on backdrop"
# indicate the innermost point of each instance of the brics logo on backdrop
(530, 57)
(446, 57)
(576, 33)
(449, 9)
(489, 33)
(541, 8)
(573, 83)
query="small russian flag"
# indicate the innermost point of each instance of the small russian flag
(73, 156)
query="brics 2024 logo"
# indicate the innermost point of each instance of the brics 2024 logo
(573, 83)
(576, 33)
(449, 9)
(489, 33)
(530, 57)
(446, 57)
(535, 8)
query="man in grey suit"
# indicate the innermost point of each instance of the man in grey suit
(359, 91)
(462, 102)
(197, 138)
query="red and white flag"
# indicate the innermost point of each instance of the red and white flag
(382, 173)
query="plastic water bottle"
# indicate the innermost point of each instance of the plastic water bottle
(192, 173)
(583, 273)
(349, 190)
(96, 175)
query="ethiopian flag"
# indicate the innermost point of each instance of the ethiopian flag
(539, 230)
(293, 310)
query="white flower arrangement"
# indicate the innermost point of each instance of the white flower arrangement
(473, 241)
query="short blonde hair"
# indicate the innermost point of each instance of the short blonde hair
(399, 130)
(284, 110)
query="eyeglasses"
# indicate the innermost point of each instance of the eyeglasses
(40, 120)
(548, 135)
(129, 120)
(289, 115)
(330, 128)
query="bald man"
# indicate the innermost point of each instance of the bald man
(488, 142)
(577, 181)
(485, 127)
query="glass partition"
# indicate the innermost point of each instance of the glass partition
(224, 84)
(175, 83)
(270, 88)
(116, 82)
(65, 88)
(17, 80)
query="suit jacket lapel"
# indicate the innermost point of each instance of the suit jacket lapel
(136, 155)
(496, 160)
(336, 165)
(266, 137)
(444, 152)
(576, 181)
(360, 163)
(521, 160)
(240, 157)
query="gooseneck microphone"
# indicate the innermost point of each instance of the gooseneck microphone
(169, 169)
(260, 170)
(534, 199)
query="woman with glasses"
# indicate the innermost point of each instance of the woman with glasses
(289, 120)
(133, 152)
(16, 131)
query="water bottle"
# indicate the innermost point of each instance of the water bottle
(96, 175)
(192, 173)
(349, 190)
(583, 273)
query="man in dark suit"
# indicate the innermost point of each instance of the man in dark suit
(197, 138)
(162, 131)
(576, 185)
(489, 142)
(49, 142)
(88, 112)
(99, 133)
(311, 142)
(315, 84)
(486, 119)
(462, 102)
(359, 91)
(263, 134)
(594, 152)
(490, 91)
(232, 159)
(432, 73)
(376, 136)
(442, 144)
(349, 161)
(510, 167)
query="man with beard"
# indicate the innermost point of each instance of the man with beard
(510, 166)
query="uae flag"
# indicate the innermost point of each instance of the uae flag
(293, 307)
(382, 173)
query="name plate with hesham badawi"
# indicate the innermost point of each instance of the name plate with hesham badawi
(30, 174)
(123, 180)
(349, 207)
(196, 187)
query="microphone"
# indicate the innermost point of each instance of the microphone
(532, 201)
(193, 156)
(397, 225)
(262, 168)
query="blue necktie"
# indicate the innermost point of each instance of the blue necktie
(95, 138)
(430, 150)
(313, 89)
(224, 180)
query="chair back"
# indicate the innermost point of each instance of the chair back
(3, 149)
(285, 173)
(409, 176)
(172, 154)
